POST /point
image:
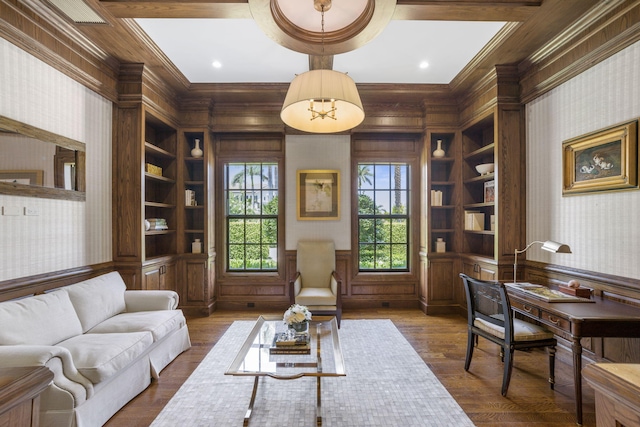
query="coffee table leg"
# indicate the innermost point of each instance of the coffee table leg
(318, 403)
(251, 402)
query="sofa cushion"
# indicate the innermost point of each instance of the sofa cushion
(41, 320)
(99, 356)
(97, 299)
(160, 323)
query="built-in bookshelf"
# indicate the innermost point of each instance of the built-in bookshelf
(478, 147)
(442, 199)
(159, 187)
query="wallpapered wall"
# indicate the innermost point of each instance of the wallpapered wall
(602, 229)
(65, 234)
(318, 152)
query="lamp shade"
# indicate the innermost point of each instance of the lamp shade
(556, 247)
(318, 85)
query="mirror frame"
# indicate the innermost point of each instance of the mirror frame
(23, 190)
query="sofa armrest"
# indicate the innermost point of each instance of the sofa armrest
(150, 300)
(57, 359)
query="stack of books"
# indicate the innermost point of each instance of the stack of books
(153, 169)
(190, 198)
(284, 344)
(157, 224)
(473, 220)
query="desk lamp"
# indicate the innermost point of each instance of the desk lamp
(549, 246)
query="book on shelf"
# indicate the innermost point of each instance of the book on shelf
(473, 220)
(157, 224)
(190, 198)
(153, 169)
(283, 343)
(436, 198)
(490, 191)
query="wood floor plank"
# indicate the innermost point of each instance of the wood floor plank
(441, 342)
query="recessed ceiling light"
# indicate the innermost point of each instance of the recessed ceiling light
(216, 64)
(424, 64)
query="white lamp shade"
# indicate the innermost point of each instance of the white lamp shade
(318, 85)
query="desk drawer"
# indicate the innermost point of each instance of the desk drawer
(533, 311)
(555, 321)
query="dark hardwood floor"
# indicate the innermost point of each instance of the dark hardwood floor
(441, 342)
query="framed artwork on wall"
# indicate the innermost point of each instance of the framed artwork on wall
(605, 160)
(318, 194)
(26, 177)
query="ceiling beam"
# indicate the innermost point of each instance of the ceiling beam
(227, 9)
(451, 10)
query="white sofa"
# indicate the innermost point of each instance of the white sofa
(102, 342)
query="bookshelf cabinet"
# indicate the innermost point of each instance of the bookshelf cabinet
(439, 258)
(145, 189)
(197, 278)
(478, 147)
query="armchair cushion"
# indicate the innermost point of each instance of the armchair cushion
(316, 296)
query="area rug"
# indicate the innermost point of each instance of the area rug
(387, 385)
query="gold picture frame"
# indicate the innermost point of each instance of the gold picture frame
(318, 195)
(24, 177)
(605, 160)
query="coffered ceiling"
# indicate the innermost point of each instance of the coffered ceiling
(390, 42)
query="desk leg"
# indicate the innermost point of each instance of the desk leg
(577, 377)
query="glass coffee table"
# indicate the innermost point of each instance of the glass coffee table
(321, 358)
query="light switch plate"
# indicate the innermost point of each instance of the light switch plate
(10, 210)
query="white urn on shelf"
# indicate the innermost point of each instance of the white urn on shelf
(197, 151)
(438, 152)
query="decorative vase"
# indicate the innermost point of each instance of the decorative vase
(438, 152)
(197, 152)
(300, 328)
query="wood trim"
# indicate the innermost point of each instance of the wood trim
(24, 286)
(35, 29)
(607, 29)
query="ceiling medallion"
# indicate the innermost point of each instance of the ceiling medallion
(322, 101)
(353, 23)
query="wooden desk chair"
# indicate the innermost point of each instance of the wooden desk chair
(490, 316)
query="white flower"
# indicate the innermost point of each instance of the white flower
(297, 314)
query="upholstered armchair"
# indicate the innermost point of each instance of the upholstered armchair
(316, 283)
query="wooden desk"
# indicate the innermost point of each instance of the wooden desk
(574, 320)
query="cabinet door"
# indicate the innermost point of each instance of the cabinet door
(440, 290)
(479, 270)
(151, 278)
(196, 281)
(159, 277)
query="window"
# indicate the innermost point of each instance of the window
(251, 216)
(383, 216)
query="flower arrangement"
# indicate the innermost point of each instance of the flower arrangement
(296, 314)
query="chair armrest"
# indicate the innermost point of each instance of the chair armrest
(336, 287)
(150, 300)
(57, 359)
(295, 285)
